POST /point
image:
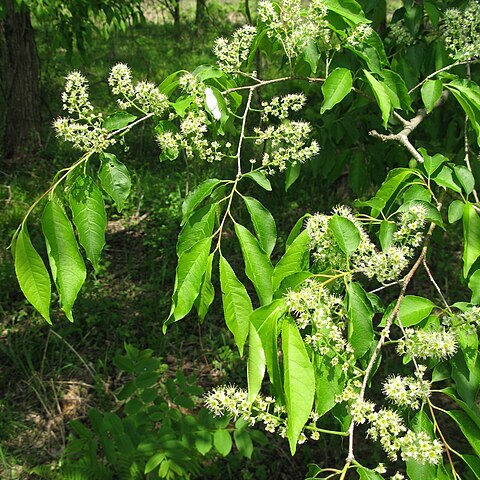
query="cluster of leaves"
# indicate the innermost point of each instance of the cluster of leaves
(319, 369)
(149, 433)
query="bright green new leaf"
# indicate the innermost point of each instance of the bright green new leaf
(189, 276)
(367, 474)
(196, 197)
(265, 321)
(222, 442)
(118, 120)
(349, 10)
(385, 235)
(431, 93)
(465, 177)
(455, 211)
(32, 274)
(89, 217)
(346, 234)
(115, 179)
(432, 164)
(299, 381)
(335, 88)
(293, 260)
(256, 364)
(243, 442)
(445, 179)
(296, 230)
(414, 309)
(468, 428)
(198, 226)
(260, 179)
(263, 224)
(207, 292)
(360, 315)
(471, 234)
(381, 95)
(237, 306)
(292, 174)
(257, 264)
(66, 263)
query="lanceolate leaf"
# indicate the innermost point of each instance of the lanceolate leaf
(115, 179)
(431, 93)
(336, 87)
(237, 306)
(260, 179)
(360, 315)
(257, 264)
(32, 274)
(381, 95)
(118, 120)
(196, 197)
(263, 224)
(299, 381)
(256, 363)
(198, 226)
(265, 320)
(66, 263)
(346, 234)
(468, 428)
(471, 234)
(207, 292)
(293, 261)
(89, 217)
(190, 270)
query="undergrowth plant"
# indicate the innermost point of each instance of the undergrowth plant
(338, 339)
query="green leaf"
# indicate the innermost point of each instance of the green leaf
(292, 174)
(257, 264)
(237, 306)
(455, 211)
(467, 381)
(349, 10)
(196, 197)
(207, 292)
(263, 224)
(89, 217)
(203, 441)
(471, 234)
(188, 280)
(293, 260)
(431, 92)
(222, 442)
(445, 179)
(32, 274)
(296, 229)
(360, 315)
(387, 229)
(469, 346)
(432, 164)
(154, 461)
(255, 364)
(243, 442)
(197, 227)
(312, 55)
(473, 463)
(396, 89)
(465, 178)
(468, 428)
(335, 88)
(265, 321)
(414, 309)
(330, 382)
(381, 95)
(346, 234)
(299, 381)
(118, 120)
(115, 179)
(66, 263)
(260, 179)
(367, 474)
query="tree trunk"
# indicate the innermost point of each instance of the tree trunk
(201, 12)
(21, 84)
(176, 13)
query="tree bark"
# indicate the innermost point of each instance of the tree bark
(21, 84)
(201, 12)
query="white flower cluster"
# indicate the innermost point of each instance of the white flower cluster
(294, 28)
(471, 318)
(231, 54)
(280, 107)
(359, 34)
(406, 391)
(287, 143)
(383, 265)
(462, 31)
(314, 306)
(144, 96)
(84, 128)
(193, 86)
(423, 344)
(400, 34)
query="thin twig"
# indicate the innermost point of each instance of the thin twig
(428, 77)
(242, 133)
(434, 283)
